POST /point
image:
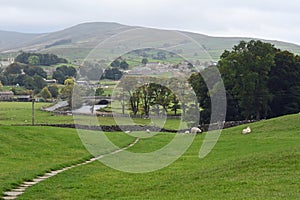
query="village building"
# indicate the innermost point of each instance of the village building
(6, 96)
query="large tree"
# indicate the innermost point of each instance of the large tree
(72, 93)
(112, 74)
(199, 86)
(45, 93)
(34, 70)
(284, 83)
(245, 72)
(53, 89)
(14, 68)
(64, 72)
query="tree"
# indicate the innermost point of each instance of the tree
(3, 79)
(126, 90)
(99, 91)
(66, 92)
(245, 72)
(112, 74)
(199, 86)
(39, 59)
(161, 55)
(45, 93)
(63, 72)
(39, 83)
(53, 89)
(33, 60)
(145, 96)
(144, 61)
(34, 70)
(14, 68)
(19, 79)
(29, 83)
(71, 92)
(124, 65)
(59, 76)
(115, 63)
(175, 104)
(160, 95)
(284, 83)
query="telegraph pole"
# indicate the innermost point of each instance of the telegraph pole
(32, 111)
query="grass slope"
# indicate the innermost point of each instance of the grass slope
(262, 165)
(31, 151)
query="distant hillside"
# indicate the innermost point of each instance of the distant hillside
(77, 41)
(13, 40)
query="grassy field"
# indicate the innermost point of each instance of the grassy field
(262, 165)
(12, 113)
(20, 113)
(31, 151)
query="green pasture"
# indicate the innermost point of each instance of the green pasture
(27, 152)
(20, 113)
(262, 165)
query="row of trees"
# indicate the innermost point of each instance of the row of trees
(119, 63)
(145, 95)
(261, 81)
(39, 59)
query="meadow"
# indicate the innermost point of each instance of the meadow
(19, 113)
(262, 165)
(32, 151)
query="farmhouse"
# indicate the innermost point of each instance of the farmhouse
(6, 96)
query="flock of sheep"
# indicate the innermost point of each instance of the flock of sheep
(196, 130)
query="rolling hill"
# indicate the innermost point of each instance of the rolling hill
(77, 41)
(14, 40)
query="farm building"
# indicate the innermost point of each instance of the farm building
(6, 96)
(23, 98)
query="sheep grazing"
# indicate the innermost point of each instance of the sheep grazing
(246, 130)
(127, 132)
(187, 132)
(148, 131)
(195, 130)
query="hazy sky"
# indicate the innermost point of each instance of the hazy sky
(268, 19)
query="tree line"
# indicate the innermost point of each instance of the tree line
(261, 81)
(39, 59)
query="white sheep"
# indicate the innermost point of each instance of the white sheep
(195, 130)
(148, 131)
(127, 132)
(246, 130)
(186, 132)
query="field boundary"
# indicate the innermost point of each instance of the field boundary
(116, 128)
(107, 128)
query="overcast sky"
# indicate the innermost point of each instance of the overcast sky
(267, 19)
